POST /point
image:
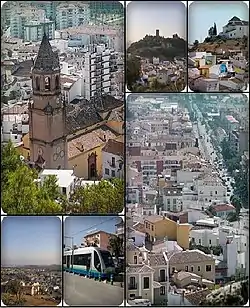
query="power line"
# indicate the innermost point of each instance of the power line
(100, 223)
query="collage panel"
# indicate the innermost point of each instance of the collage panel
(31, 261)
(156, 57)
(93, 260)
(218, 46)
(187, 214)
(62, 130)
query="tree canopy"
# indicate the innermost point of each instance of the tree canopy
(103, 197)
(23, 194)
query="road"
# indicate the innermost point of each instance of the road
(79, 291)
(209, 153)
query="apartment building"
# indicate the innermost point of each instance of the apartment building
(71, 15)
(99, 238)
(99, 64)
(34, 30)
(21, 16)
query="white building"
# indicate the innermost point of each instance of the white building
(71, 87)
(205, 237)
(98, 67)
(65, 179)
(34, 30)
(22, 16)
(14, 126)
(112, 159)
(70, 15)
(235, 28)
(206, 84)
(137, 237)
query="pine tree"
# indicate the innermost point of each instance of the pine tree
(215, 29)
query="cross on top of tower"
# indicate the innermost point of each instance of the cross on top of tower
(46, 60)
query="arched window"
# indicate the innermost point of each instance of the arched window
(57, 82)
(47, 83)
(37, 83)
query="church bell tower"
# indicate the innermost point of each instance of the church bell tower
(47, 131)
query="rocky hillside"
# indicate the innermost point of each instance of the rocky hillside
(235, 294)
(161, 47)
(218, 45)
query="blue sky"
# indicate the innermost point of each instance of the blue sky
(75, 224)
(203, 14)
(145, 17)
(31, 241)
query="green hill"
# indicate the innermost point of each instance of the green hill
(160, 47)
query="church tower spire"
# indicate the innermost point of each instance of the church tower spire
(48, 143)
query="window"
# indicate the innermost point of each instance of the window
(208, 268)
(64, 190)
(186, 268)
(113, 162)
(146, 283)
(97, 262)
(152, 228)
(82, 260)
(162, 275)
(113, 173)
(64, 259)
(57, 82)
(199, 268)
(192, 268)
(47, 83)
(37, 83)
(132, 284)
(173, 270)
(15, 137)
(135, 259)
(199, 241)
(216, 192)
(162, 290)
(107, 171)
(210, 242)
(211, 193)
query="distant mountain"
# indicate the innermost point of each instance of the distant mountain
(160, 47)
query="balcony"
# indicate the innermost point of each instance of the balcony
(132, 286)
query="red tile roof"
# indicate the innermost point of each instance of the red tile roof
(223, 207)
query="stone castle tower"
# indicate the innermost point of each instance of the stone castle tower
(47, 131)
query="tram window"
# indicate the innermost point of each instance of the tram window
(97, 262)
(64, 259)
(82, 259)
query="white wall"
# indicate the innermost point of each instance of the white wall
(106, 164)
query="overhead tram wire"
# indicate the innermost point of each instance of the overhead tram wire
(96, 225)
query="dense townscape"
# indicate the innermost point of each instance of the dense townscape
(62, 108)
(187, 198)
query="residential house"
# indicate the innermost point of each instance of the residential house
(223, 210)
(193, 261)
(112, 159)
(158, 227)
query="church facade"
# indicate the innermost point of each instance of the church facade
(68, 136)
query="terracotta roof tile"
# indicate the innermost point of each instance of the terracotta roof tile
(114, 147)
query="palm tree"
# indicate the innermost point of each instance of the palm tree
(116, 245)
